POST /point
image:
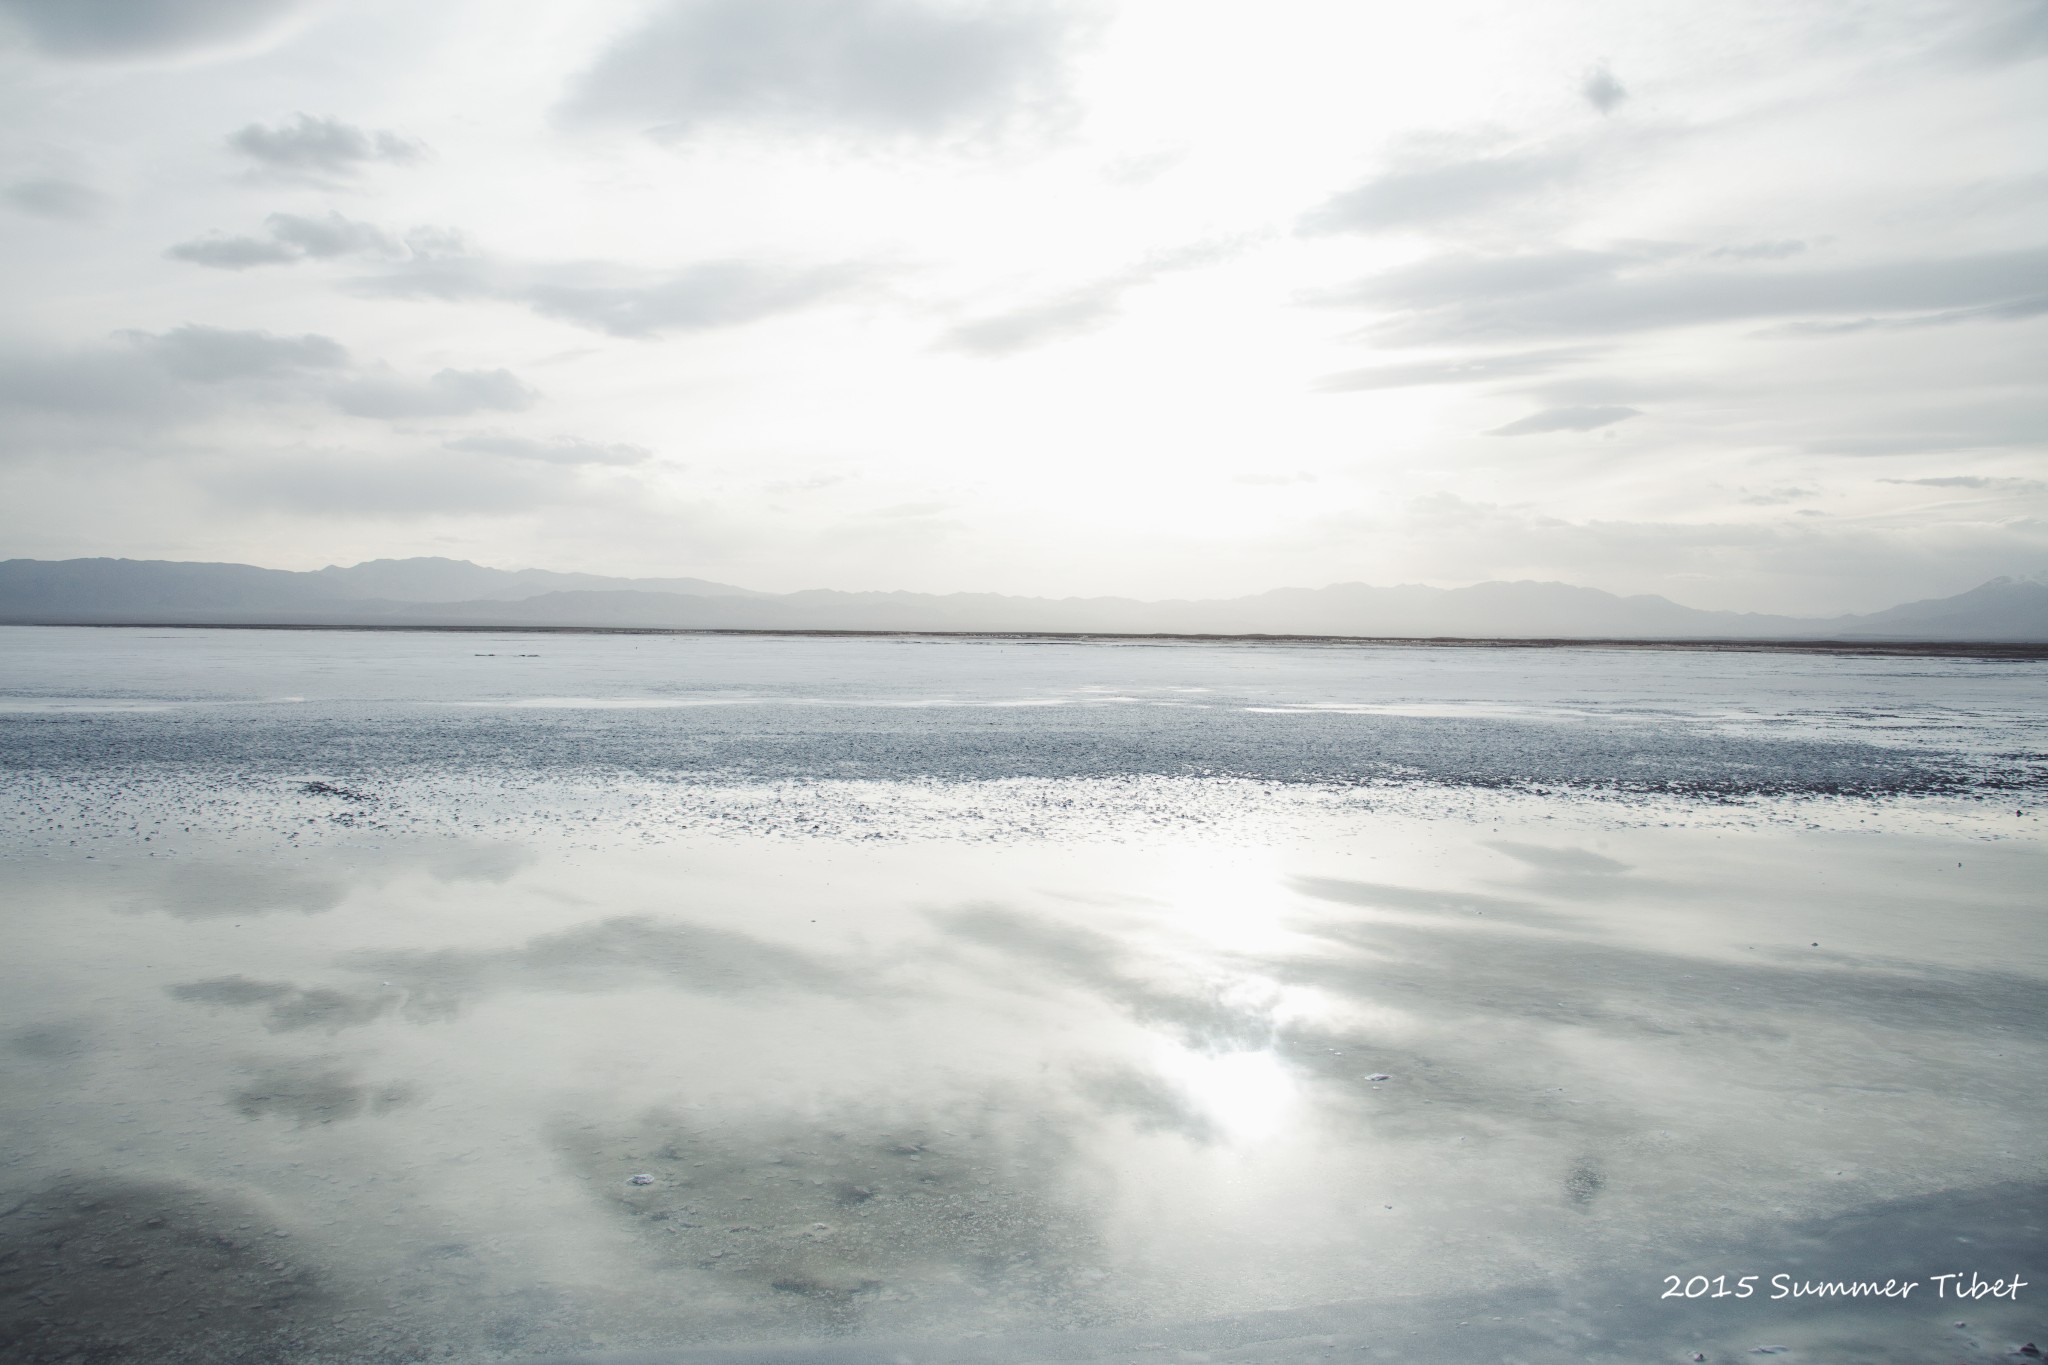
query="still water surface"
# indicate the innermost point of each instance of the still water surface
(378, 997)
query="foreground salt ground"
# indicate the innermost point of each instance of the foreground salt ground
(364, 1038)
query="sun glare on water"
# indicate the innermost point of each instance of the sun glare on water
(1250, 1096)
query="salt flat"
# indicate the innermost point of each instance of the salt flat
(379, 996)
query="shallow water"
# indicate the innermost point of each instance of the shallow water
(1266, 1004)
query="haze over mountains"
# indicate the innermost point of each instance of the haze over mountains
(447, 592)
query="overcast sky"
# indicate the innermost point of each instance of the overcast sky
(1742, 303)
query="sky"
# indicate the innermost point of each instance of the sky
(1744, 303)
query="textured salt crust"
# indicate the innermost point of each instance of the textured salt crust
(162, 812)
(114, 735)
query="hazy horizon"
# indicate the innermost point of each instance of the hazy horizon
(857, 589)
(1739, 307)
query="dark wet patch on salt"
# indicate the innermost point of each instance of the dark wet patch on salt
(856, 1219)
(59, 1042)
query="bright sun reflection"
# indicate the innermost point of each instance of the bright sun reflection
(1232, 899)
(1231, 903)
(1250, 1096)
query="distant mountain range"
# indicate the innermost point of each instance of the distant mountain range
(453, 592)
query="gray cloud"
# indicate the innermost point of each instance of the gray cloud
(450, 393)
(1466, 370)
(1760, 251)
(1992, 418)
(212, 355)
(1457, 297)
(716, 294)
(877, 66)
(293, 237)
(1924, 442)
(1461, 277)
(329, 236)
(144, 385)
(50, 197)
(568, 450)
(1565, 419)
(103, 386)
(1984, 482)
(1081, 310)
(1602, 90)
(615, 300)
(2008, 310)
(1428, 193)
(320, 148)
(2000, 34)
(1602, 388)
(438, 263)
(148, 378)
(451, 277)
(90, 29)
(231, 253)
(1776, 497)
